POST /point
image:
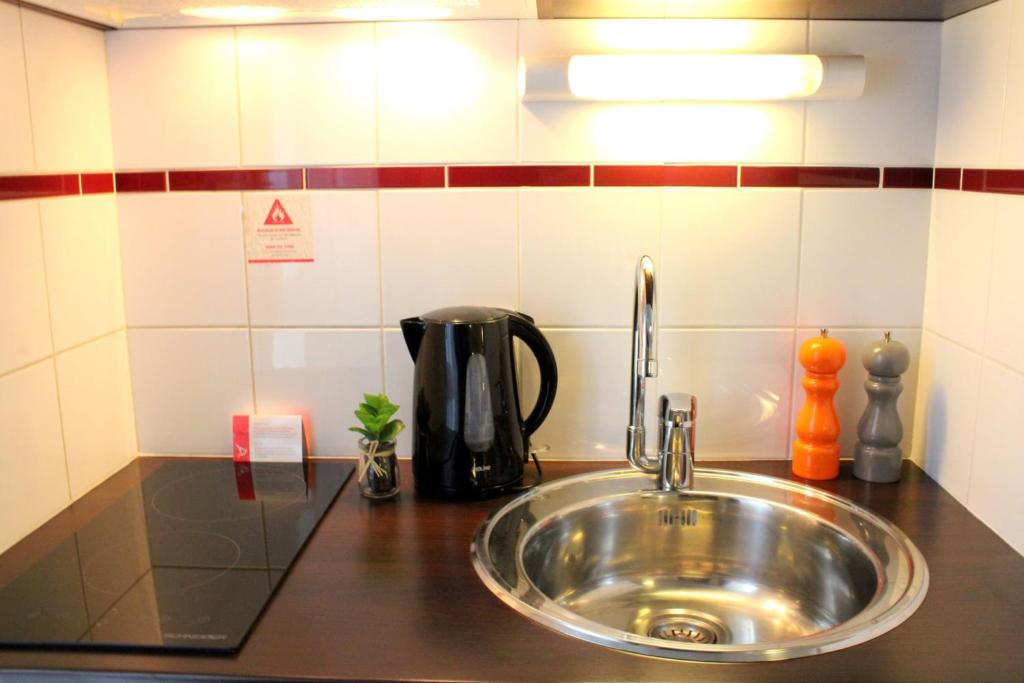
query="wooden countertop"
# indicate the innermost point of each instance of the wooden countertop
(385, 591)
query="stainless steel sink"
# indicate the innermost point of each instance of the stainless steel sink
(740, 568)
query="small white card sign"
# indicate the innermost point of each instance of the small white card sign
(278, 228)
(268, 438)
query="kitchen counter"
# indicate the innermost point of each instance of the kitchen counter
(385, 591)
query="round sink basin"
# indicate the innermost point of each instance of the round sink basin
(742, 568)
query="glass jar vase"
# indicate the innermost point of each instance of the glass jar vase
(378, 469)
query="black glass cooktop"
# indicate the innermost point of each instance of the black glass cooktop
(186, 559)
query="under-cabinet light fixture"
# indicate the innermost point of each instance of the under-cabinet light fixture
(680, 77)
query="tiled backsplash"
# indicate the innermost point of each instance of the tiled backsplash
(431, 184)
(65, 395)
(970, 397)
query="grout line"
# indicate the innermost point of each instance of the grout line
(988, 270)
(376, 92)
(979, 354)
(517, 99)
(248, 309)
(53, 346)
(380, 294)
(28, 89)
(188, 328)
(238, 96)
(80, 344)
(804, 113)
(25, 366)
(796, 321)
(977, 396)
(124, 326)
(1006, 81)
(519, 250)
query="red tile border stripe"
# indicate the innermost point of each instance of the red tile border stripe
(97, 183)
(809, 176)
(235, 179)
(947, 178)
(907, 177)
(998, 180)
(29, 186)
(144, 181)
(374, 177)
(665, 176)
(518, 176)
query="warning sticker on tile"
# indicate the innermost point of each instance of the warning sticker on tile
(278, 228)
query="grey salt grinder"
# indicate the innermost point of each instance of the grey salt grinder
(877, 456)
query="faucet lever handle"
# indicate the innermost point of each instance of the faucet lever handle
(678, 409)
(677, 418)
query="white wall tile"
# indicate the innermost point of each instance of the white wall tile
(173, 97)
(187, 384)
(398, 382)
(863, 258)
(959, 262)
(307, 94)
(342, 285)
(1012, 150)
(16, 134)
(975, 49)
(728, 258)
(998, 466)
(83, 267)
(96, 410)
(321, 374)
(742, 381)
(25, 316)
(67, 85)
(183, 259)
(893, 122)
(33, 479)
(1004, 330)
(589, 417)
(447, 248)
(946, 412)
(764, 132)
(555, 132)
(447, 91)
(591, 236)
(851, 398)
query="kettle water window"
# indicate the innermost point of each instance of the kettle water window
(478, 422)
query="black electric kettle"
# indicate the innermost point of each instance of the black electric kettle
(469, 439)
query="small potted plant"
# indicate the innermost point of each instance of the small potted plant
(378, 464)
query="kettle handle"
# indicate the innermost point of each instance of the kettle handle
(522, 326)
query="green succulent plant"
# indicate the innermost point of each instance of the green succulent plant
(375, 413)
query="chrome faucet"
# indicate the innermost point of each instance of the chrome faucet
(677, 413)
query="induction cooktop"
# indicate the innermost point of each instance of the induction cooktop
(186, 559)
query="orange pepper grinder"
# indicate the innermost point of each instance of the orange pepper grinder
(816, 450)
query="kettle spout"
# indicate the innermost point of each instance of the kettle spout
(413, 330)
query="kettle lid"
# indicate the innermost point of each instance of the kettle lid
(462, 315)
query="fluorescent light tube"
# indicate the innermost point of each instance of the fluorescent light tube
(686, 77)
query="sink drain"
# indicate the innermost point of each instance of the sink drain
(687, 628)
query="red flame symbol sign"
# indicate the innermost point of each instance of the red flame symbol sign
(277, 215)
